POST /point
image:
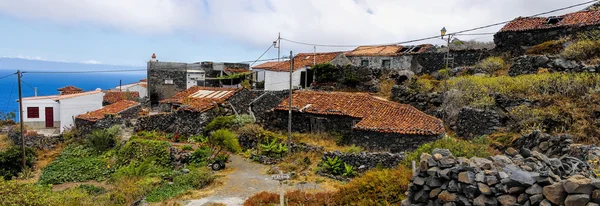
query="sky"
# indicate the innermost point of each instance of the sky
(127, 32)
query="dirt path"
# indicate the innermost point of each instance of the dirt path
(247, 179)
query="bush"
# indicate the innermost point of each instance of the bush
(242, 120)
(273, 149)
(491, 64)
(129, 190)
(12, 161)
(75, 164)
(353, 149)
(187, 147)
(220, 122)
(547, 48)
(196, 179)
(375, 187)
(200, 155)
(140, 150)
(326, 73)
(295, 198)
(13, 193)
(166, 191)
(225, 139)
(144, 169)
(92, 190)
(334, 166)
(582, 50)
(102, 140)
(458, 147)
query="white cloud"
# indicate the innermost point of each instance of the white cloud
(91, 62)
(255, 23)
(25, 57)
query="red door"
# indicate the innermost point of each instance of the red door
(49, 117)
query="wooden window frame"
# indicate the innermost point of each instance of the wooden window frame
(33, 112)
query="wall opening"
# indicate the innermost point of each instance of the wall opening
(401, 79)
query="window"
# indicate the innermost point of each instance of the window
(386, 63)
(33, 112)
(554, 20)
(168, 81)
(364, 63)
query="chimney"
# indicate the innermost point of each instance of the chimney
(153, 57)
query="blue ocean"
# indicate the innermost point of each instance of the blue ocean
(47, 84)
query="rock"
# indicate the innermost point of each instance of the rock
(421, 196)
(522, 198)
(544, 146)
(511, 152)
(507, 200)
(479, 177)
(534, 199)
(515, 190)
(534, 190)
(595, 183)
(444, 173)
(447, 162)
(491, 180)
(437, 157)
(466, 177)
(434, 182)
(578, 184)
(577, 200)
(447, 196)
(435, 192)
(555, 193)
(185, 170)
(545, 203)
(433, 171)
(453, 186)
(523, 177)
(595, 197)
(591, 204)
(419, 181)
(443, 152)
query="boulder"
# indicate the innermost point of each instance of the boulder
(447, 196)
(578, 184)
(555, 193)
(577, 200)
(507, 200)
(483, 200)
(534, 189)
(466, 177)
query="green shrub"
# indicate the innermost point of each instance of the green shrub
(200, 155)
(198, 138)
(443, 74)
(196, 179)
(332, 166)
(102, 140)
(491, 64)
(458, 147)
(220, 122)
(241, 120)
(375, 187)
(582, 50)
(140, 150)
(348, 171)
(353, 149)
(92, 190)
(187, 147)
(13, 193)
(273, 149)
(326, 73)
(225, 139)
(144, 169)
(351, 79)
(75, 164)
(11, 161)
(152, 135)
(166, 191)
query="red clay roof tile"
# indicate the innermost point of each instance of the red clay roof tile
(375, 114)
(388, 50)
(303, 60)
(115, 96)
(112, 109)
(577, 19)
(69, 90)
(201, 99)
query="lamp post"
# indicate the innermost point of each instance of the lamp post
(443, 32)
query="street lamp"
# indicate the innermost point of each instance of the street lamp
(443, 32)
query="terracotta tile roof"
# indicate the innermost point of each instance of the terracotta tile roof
(267, 65)
(68, 96)
(143, 84)
(115, 108)
(388, 50)
(69, 90)
(577, 19)
(201, 99)
(375, 114)
(303, 60)
(144, 80)
(115, 96)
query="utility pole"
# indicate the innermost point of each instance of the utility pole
(279, 46)
(289, 142)
(120, 85)
(21, 119)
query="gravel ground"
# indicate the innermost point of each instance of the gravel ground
(247, 179)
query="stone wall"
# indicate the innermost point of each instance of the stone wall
(34, 140)
(181, 122)
(511, 179)
(515, 41)
(364, 161)
(531, 65)
(241, 100)
(473, 123)
(423, 63)
(158, 72)
(262, 106)
(428, 103)
(122, 118)
(390, 142)
(306, 123)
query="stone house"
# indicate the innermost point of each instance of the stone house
(418, 59)
(165, 79)
(277, 75)
(140, 87)
(58, 111)
(112, 96)
(363, 120)
(524, 32)
(115, 114)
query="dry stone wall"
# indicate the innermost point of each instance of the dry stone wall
(531, 65)
(364, 161)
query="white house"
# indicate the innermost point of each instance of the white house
(141, 87)
(277, 75)
(59, 110)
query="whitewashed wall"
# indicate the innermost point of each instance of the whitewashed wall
(71, 107)
(41, 103)
(276, 81)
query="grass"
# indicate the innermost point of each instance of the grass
(4, 142)
(328, 141)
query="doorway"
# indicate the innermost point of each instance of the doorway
(49, 117)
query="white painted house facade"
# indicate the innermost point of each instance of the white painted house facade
(277, 74)
(140, 87)
(59, 111)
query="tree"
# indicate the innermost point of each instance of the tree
(224, 139)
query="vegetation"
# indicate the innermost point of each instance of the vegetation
(139, 150)
(103, 140)
(491, 64)
(334, 166)
(273, 149)
(224, 139)
(7, 118)
(478, 147)
(582, 50)
(326, 73)
(235, 76)
(76, 164)
(547, 48)
(196, 179)
(11, 160)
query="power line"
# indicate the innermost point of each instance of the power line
(81, 72)
(262, 55)
(10, 96)
(438, 36)
(7, 76)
